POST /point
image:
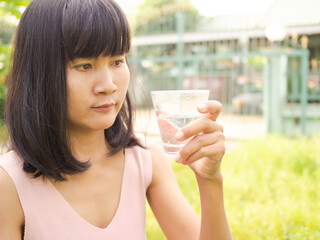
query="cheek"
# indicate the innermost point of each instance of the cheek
(124, 79)
(76, 95)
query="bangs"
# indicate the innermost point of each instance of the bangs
(94, 27)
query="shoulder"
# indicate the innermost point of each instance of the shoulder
(160, 163)
(10, 159)
(11, 217)
(7, 188)
(152, 150)
(156, 152)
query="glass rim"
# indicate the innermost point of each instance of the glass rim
(180, 91)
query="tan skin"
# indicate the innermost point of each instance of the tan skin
(92, 83)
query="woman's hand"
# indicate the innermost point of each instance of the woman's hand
(204, 152)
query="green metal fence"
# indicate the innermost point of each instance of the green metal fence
(250, 76)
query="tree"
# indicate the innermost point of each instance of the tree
(159, 16)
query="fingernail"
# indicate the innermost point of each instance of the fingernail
(178, 159)
(179, 135)
(202, 107)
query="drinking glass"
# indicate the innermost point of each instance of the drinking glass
(174, 109)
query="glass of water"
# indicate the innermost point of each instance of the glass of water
(175, 109)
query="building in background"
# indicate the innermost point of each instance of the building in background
(255, 64)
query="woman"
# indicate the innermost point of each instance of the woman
(76, 170)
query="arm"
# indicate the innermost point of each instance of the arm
(203, 153)
(214, 223)
(11, 213)
(175, 216)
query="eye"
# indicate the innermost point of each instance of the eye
(83, 67)
(118, 62)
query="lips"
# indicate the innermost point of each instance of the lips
(104, 107)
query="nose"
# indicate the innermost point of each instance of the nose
(105, 82)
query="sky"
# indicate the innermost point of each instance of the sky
(211, 7)
(227, 7)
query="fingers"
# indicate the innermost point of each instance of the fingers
(167, 131)
(207, 135)
(211, 109)
(202, 145)
(201, 125)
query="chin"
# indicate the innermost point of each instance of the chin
(104, 125)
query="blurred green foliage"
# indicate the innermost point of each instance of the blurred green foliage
(4, 67)
(271, 189)
(13, 7)
(6, 32)
(10, 12)
(160, 16)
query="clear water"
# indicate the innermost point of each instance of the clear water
(169, 126)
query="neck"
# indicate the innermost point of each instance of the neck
(89, 145)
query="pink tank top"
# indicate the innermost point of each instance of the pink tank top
(48, 216)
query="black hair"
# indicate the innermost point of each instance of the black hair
(51, 33)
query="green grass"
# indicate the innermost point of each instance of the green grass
(271, 190)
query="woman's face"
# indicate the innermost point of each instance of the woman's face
(96, 89)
